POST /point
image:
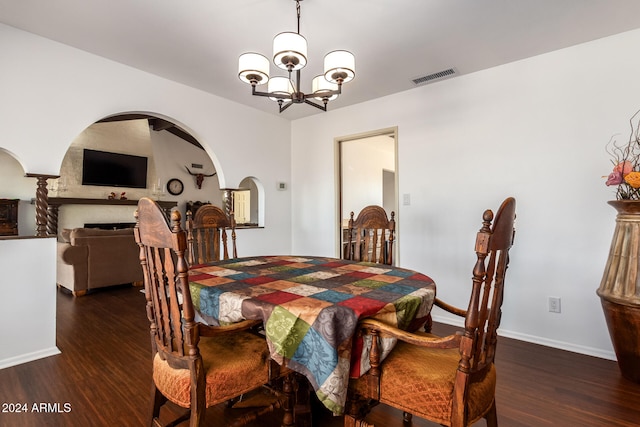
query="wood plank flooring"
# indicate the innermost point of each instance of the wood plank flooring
(102, 378)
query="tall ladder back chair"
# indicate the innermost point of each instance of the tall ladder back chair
(194, 365)
(207, 235)
(370, 236)
(448, 380)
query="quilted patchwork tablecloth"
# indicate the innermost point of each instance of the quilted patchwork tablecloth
(310, 307)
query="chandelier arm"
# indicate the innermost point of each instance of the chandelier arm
(287, 105)
(324, 93)
(308, 101)
(268, 94)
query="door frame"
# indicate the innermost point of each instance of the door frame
(391, 132)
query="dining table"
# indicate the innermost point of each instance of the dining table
(310, 307)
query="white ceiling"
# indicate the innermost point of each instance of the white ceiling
(197, 42)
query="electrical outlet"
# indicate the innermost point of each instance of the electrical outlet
(554, 305)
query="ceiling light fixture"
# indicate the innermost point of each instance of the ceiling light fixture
(290, 53)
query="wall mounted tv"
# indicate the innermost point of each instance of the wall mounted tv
(113, 169)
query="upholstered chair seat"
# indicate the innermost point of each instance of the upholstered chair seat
(233, 365)
(420, 381)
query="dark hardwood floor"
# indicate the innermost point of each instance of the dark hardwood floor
(102, 378)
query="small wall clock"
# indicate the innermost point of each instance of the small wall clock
(175, 186)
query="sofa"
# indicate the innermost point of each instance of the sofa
(91, 258)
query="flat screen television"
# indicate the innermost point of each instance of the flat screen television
(113, 169)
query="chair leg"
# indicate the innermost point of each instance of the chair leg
(492, 416)
(288, 405)
(303, 413)
(157, 400)
(197, 411)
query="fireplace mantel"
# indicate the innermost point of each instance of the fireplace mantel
(54, 204)
(59, 201)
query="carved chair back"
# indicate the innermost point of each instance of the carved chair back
(370, 236)
(493, 241)
(207, 237)
(163, 246)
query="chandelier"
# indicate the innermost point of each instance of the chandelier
(290, 54)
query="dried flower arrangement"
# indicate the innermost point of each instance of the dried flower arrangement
(626, 163)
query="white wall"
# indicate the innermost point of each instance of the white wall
(172, 155)
(534, 129)
(52, 92)
(27, 315)
(65, 90)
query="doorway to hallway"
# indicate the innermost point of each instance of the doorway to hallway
(367, 175)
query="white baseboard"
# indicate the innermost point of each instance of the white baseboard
(589, 351)
(29, 357)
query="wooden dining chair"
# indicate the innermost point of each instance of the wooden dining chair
(448, 380)
(195, 366)
(207, 235)
(370, 236)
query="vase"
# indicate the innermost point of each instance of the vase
(619, 290)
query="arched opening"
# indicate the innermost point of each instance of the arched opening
(167, 152)
(178, 173)
(18, 189)
(248, 203)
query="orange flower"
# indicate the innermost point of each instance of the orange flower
(633, 179)
(623, 167)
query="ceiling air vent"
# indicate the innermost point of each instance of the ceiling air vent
(433, 77)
